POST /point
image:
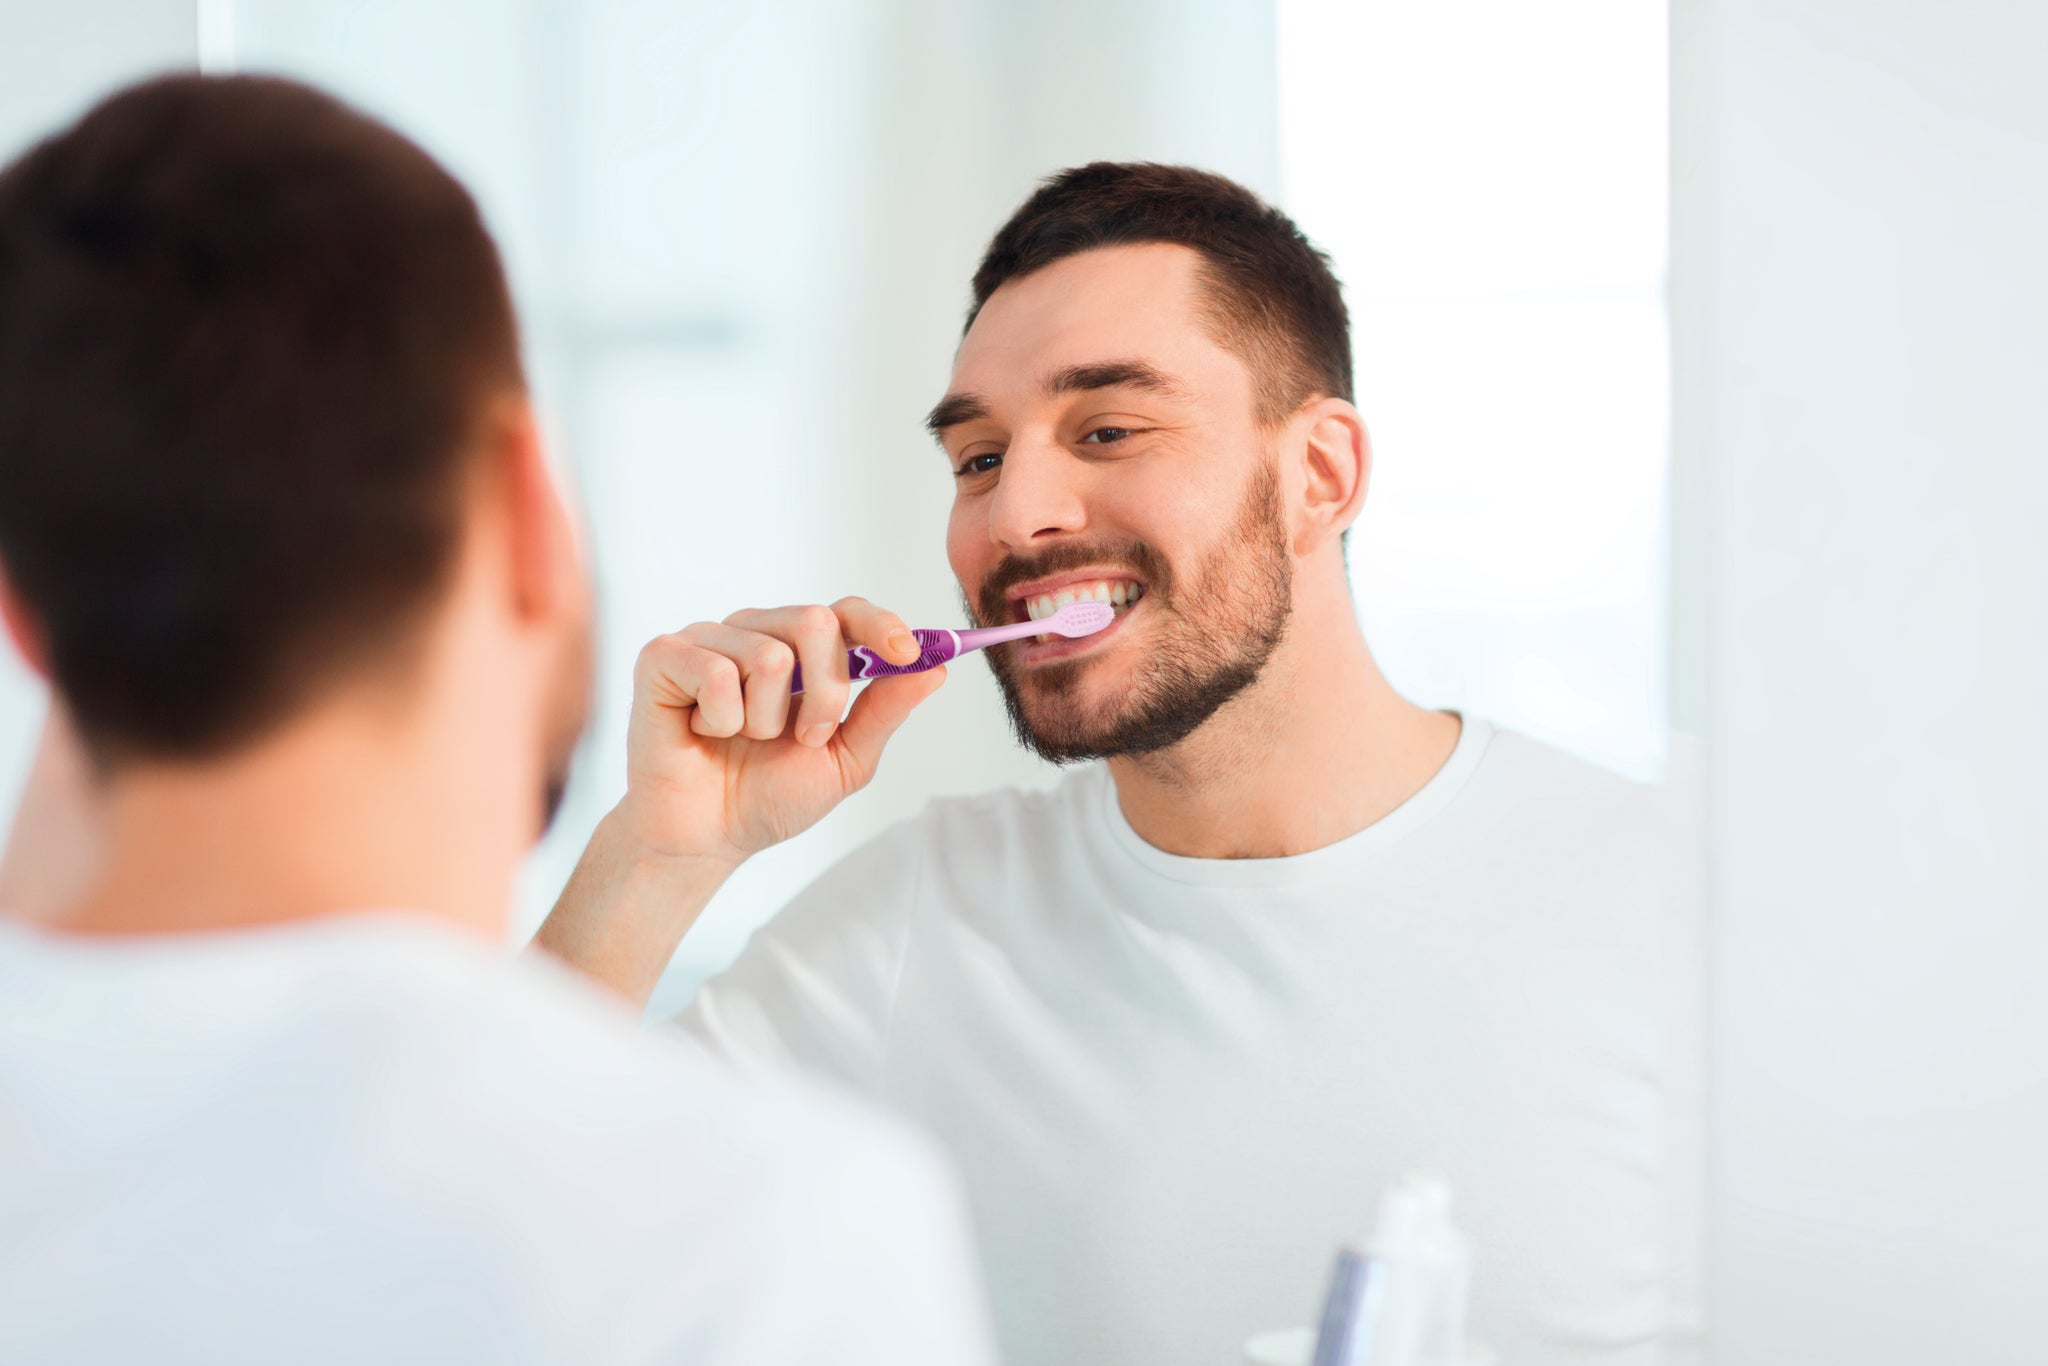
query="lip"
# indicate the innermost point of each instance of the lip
(1023, 591)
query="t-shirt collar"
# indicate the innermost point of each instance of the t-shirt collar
(1332, 862)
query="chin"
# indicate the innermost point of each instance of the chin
(1071, 721)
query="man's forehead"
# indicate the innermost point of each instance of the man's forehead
(1126, 305)
(1091, 301)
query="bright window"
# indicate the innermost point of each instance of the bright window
(1489, 178)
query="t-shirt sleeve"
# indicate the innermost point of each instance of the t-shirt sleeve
(814, 988)
(872, 1264)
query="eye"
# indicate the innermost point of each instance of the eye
(1107, 436)
(979, 464)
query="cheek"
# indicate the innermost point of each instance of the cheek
(968, 548)
(1168, 508)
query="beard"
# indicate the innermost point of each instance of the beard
(568, 713)
(1213, 638)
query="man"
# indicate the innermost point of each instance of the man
(276, 524)
(1290, 938)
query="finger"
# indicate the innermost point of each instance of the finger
(881, 631)
(820, 646)
(674, 672)
(884, 707)
(720, 711)
(821, 637)
(765, 664)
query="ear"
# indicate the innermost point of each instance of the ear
(1336, 456)
(23, 631)
(55, 847)
(546, 569)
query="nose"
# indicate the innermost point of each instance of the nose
(1039, 496)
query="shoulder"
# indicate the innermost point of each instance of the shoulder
(850, 924)
(982, 836)
(984, 818)
(589, 1152)
(985, 830)
(551, 1073)
(1569, 831)
(1524, 778)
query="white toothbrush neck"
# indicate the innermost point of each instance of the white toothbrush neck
(996, 635)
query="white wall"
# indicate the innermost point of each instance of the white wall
(1862, 238)
(1490, 180)
(55, 59)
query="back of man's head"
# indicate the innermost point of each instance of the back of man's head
(246, 336)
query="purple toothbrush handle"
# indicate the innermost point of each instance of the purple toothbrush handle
(939, 646)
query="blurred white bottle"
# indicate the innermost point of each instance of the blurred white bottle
(1397, 1297)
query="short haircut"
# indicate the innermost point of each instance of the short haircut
(247, 336)
(1272, 297)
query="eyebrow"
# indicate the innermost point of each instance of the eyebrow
(1115, 374)
(954, 409)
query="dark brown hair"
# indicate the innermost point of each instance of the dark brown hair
(246, 334)
(1273, 299)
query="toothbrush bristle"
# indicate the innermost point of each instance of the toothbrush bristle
(1081, 618)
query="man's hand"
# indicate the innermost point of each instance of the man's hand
(721, 762)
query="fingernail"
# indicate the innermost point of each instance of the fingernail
(903, 643)
(816, 736)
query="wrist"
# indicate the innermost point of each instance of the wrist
(629, 902)
(629, 834)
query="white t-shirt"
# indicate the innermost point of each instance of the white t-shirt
(1176, 1085)
(376, 1139)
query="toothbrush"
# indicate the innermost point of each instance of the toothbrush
(1075, 619)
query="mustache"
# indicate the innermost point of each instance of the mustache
(991, 605)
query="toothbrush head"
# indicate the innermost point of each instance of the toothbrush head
(1077, 619)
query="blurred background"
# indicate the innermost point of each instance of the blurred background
(1694, 343)
(741, 237)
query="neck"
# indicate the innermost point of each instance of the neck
(1319, 748)
(350, 809)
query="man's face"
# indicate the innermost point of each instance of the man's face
(568, 713)
(567, 703)
(1104, 444)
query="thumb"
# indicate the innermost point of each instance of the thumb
(876, 714)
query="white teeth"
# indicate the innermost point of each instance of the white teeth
(1115, 592)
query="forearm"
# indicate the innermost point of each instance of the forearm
(625, 909)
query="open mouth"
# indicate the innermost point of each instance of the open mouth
(1122, 593)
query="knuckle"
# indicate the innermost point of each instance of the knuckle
(771, 656)
(719, 673)
(815, 621)
(681, 643)
(656, 653)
